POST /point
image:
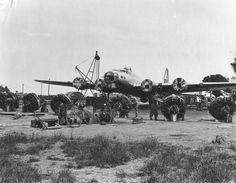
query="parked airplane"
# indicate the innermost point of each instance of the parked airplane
(126, 82)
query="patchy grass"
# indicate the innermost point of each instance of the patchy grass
(12, 169)
(174, 164)
(36, 148)
(232, 146)
(54, 158)
(12, 139)
(144, 148)
(121, 174)
(8, 143)
(62, 177)
(167, 164)
(216, 168)
(102, 151)
(32, 160)
(93, 181)
(69, 165)
(98, 151)
(15, 171)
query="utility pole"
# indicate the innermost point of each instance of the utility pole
(23, 88)
(97, 61)
(41, 89)
(49, 88)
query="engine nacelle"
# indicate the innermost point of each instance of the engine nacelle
(57, 100)
(179, 84)
(147, 85)
(173, 108)
(79, 82)
(9, 101)
(77, 98)
(31, 102)
(222, 108)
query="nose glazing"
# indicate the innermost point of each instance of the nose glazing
(109, 77)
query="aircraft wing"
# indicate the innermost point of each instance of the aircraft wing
(164, 88)
(211, 86)
(60, 83)
(76, 84)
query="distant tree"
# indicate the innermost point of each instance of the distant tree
(216, 78)
(4, 89)
(234, 65)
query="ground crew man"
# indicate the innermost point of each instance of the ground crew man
(124, 106)
(43, 105)
(153, 108)
(134, 104)
(199, 103)
(62, 114)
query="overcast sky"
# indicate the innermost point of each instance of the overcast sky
(42, 39)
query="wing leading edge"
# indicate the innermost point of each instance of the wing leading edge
(162, 88)
(77, 85)
(60, 83)
(211, 86)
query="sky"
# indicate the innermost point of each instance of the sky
(43, 39)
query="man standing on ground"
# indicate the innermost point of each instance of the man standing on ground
(134, 104)
(153, 108)
(199, 102)
(62, 114)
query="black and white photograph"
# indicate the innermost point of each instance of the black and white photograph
(117, 91)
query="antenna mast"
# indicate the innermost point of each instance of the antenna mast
(94, 69)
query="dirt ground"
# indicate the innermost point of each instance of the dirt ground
(198, 128)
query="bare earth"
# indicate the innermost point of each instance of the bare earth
(198, 128)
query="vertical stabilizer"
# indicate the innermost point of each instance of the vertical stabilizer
(166, 76)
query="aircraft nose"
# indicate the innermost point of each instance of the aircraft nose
(109, 77)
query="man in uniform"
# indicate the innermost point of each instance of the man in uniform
(134, 104)
(43, 105)
(124, 106)
(199, 102)
(62, 114)
(153, 108)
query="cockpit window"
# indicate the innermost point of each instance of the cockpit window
(127, 69)
(116, 75)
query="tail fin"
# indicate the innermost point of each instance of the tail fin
(166, 76)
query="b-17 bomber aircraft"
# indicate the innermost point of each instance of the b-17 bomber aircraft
(126, 82)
